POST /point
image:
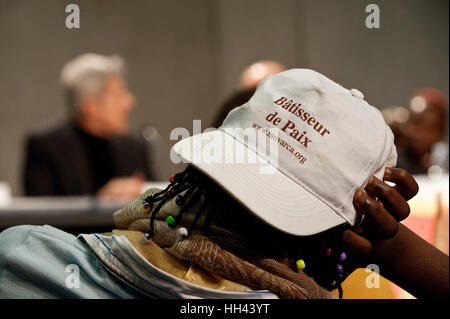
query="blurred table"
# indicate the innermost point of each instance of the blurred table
(68, 213)
(73, 214)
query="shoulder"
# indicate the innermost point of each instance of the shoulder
(17, 239)
(51, 135)
(51, 139)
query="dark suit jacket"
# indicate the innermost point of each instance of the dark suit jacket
(56, 162)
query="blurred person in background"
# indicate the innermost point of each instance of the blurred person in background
(397, 117)
(423, 135)
(90, 154)
(249, 80)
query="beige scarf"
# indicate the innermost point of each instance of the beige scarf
(197, 254)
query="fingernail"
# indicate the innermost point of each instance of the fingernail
(358, 195)
(387, 171)
(373, 181)
(362, 199)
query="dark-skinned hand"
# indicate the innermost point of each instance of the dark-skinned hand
(383, 207)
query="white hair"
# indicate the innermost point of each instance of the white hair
(86, 75)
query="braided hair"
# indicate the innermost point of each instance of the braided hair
(319, 256)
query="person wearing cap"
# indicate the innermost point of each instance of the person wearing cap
(425, 132)
(91, 153)
(240, 222)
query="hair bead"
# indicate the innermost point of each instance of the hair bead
(146, 207)
(300, 264)
(146, 238)
(340, 269)
(179, 200)
(183, 232)
(170, 220)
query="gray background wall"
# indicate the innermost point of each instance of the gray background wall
(184, 57)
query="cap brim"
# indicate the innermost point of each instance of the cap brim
(274, 197)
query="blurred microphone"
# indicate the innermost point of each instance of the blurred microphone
(155, 150)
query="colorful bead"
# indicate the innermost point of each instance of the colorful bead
(328, 252)
(183, 232)
(171, 192)
(170, 220)
(179, 200)
(146, 238)
(343, 256)
(146, 207)
(340, 269)
(300, 264)
(171, 178)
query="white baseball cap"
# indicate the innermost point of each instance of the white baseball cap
(328, 143)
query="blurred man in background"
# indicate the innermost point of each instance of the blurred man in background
(424, 134)
(91, 153)
(249, 79)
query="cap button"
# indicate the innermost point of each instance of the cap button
(356, 93)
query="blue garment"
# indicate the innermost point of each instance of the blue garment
(38, 262)
(34, 261)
